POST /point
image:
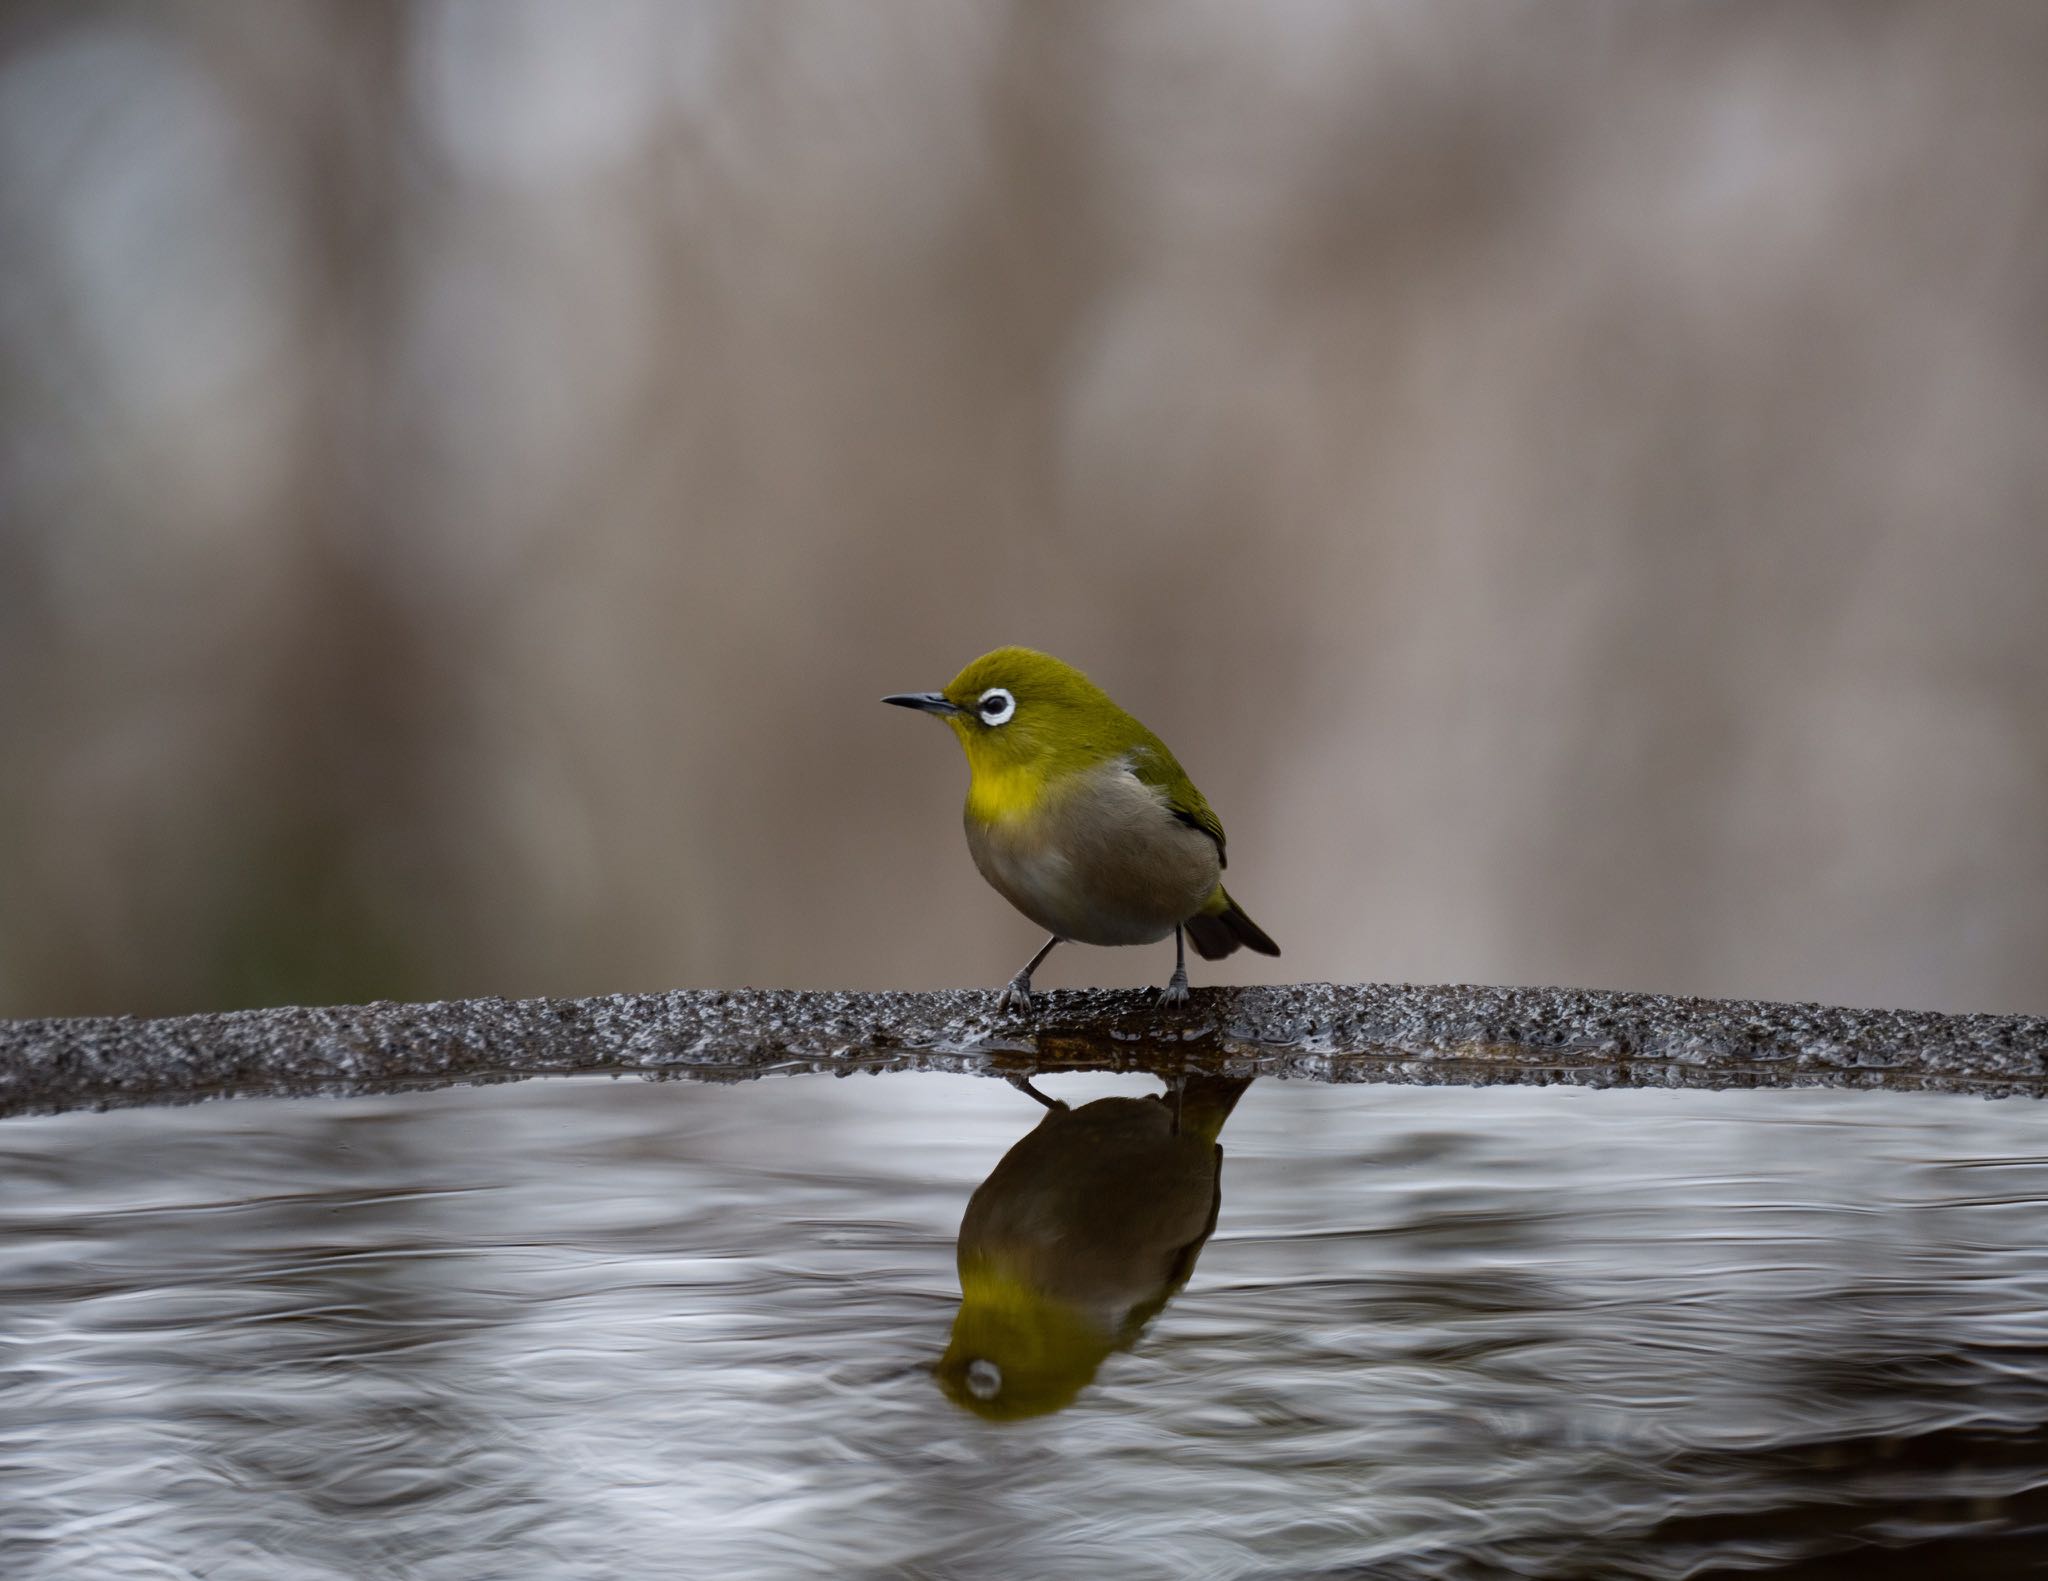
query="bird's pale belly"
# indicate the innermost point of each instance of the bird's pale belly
(1102, 862)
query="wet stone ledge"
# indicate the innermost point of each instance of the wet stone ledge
(1317, 1031)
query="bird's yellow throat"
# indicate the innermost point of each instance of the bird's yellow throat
(1002, 786)
(1002, 793)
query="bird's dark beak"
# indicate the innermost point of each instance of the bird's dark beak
(930, 702)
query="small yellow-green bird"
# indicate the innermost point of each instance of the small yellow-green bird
(1082, 820)
(1077, 1240)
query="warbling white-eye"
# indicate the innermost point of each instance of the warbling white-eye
(1082, 820)
(1087, 1227)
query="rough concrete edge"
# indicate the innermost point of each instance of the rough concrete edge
(1320, 1031)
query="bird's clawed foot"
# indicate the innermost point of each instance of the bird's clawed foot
(1016, 995)
(1175, 993)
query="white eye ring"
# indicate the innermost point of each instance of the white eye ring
(995, 706)
(984, 1379)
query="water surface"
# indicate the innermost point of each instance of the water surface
(589, 1329)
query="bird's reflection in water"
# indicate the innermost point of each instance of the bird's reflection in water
(1087, 1227)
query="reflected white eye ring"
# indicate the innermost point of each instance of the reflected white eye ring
(984, 1379)
(995, 706)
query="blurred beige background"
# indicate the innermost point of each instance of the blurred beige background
(1571, 482)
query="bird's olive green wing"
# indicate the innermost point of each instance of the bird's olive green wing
(1155, 766)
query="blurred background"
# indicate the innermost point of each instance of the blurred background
(1571, 482)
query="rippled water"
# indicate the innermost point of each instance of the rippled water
(589, 1329)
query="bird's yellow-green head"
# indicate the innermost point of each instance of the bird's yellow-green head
(1026, 719)
(1016, 1350)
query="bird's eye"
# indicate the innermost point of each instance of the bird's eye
(984, 1379)
(996, 706)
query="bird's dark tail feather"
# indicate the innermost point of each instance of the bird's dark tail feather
(1216, 934)
(1206, 1102)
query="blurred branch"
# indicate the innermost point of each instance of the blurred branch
(1321, 1031)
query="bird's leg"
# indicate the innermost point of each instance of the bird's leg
(1017, 992)
(1023, 1084)
(1176, 990)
